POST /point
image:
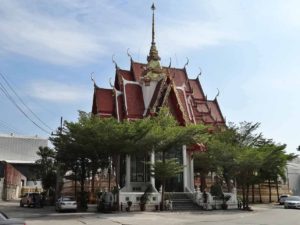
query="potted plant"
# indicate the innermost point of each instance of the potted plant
(225, 198)
(145, 197)
(143, 201)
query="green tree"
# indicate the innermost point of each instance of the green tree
(93, 142)
(45, 167)
(223, 149)
(274, 164)
(79, 149)
(166, 135)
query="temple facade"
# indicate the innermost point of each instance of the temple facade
(141, 92)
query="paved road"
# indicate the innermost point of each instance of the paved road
(262, 215)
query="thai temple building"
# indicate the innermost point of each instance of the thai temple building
(140, 92)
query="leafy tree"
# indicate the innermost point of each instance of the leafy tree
(204, 162)
(166, 170)
(93, 142)
(223, 149)
(274, 164)
(242, 153)
(166, 135)
(79, 147)
(46, 167)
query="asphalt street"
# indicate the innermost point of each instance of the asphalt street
(261, 215)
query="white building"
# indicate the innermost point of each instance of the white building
(17, 157)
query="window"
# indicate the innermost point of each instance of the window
(139, 168)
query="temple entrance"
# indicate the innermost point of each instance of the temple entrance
(174, 184)
(140, 171)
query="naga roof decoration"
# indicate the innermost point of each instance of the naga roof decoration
(142, 90)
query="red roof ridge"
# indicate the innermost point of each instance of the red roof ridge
(101, 88)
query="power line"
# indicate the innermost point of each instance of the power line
(9, 127)
(21, 100)
(3, 89)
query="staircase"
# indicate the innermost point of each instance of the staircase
(181, 202)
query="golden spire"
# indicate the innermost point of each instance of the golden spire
(153, 70)
(153, 55)
(153, 25)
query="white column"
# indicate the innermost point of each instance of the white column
(152, 160)
(192, 172)
(184, 159)
(127, 180)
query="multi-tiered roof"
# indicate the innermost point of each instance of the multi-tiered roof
(145, 88)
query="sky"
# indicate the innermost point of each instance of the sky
(248, 49)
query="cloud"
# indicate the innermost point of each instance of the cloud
(54, 91)
(44, 37)
(76, 32)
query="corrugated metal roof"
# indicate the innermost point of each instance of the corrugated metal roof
(20, 148)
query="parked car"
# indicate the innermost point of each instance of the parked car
(292, 202)
(66, 203)
(5, 220)
(282, 199)
(31, 199)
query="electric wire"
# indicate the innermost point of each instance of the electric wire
(3, 89)
(5, 128)
(21, 100)
(9, 127)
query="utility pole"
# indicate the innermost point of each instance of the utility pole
(58, 177)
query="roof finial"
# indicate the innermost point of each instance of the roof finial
(93, 80)
(217, 95)
(187, 62)
(199, 74)
(114, 61)
(153, 55)
(129, 55)
(153, 24)
(110, 83)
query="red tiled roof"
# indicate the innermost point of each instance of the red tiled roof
(202, 107)
(180, 77)
(120, 107)
(204, 111)
(199, 147)
(183, 102)
(125, 74)
(207, 119)
(104, 101)
(137, 69)
(215, 111)
(174, 107)
(120, 74)
(134, 98)
(196, 87)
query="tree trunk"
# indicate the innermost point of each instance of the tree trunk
(117, 178)
(163, 184)
(203, 181)
(253, 194)
(270, 191)
(228, 184)
(93, 181)
(247, 196)
(227, 180)
(75, 179)
(259, 191)
(277, 189)
(83, 203)
(244, 195)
